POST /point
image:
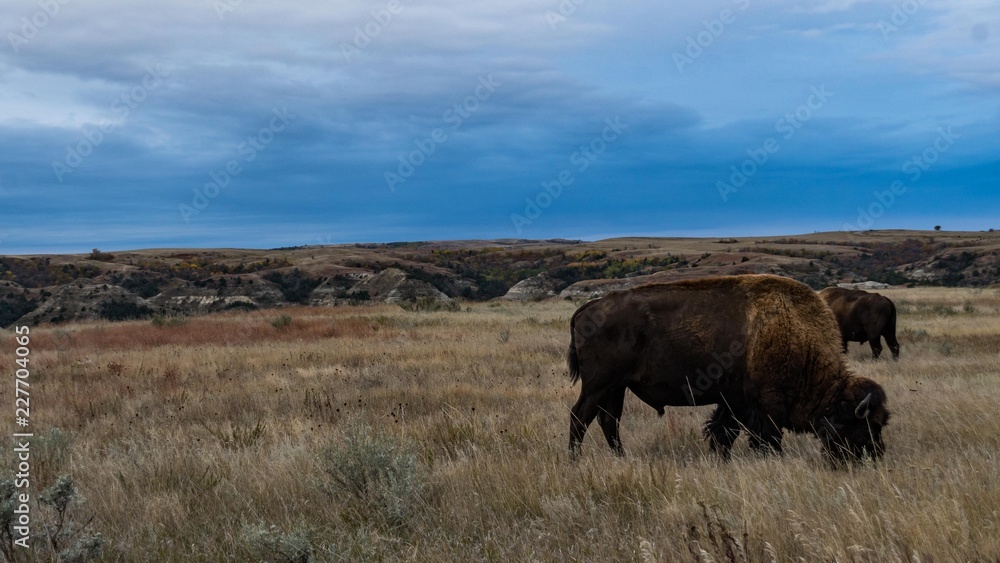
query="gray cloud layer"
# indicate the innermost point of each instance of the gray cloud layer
(497, 100)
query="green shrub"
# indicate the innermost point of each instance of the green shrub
(375, 477)
(87, 548)
(269, 543)
(55, 521)
(281, 321)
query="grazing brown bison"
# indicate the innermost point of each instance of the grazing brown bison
(863, 317)
(760, 347)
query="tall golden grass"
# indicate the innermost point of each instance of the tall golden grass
(221, 439)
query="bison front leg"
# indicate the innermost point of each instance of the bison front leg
(766, 442)
(765, 435)
(722, 429)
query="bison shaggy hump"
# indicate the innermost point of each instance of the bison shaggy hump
(764, 349)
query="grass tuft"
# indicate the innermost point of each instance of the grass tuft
(281, 321)
(270, 544)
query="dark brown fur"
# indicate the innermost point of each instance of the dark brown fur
(763, 348)
(863, 317)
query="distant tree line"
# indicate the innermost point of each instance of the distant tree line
(41, 272)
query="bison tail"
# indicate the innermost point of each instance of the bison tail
(572, 360)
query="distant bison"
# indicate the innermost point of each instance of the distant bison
(760, 347)
(863, 317)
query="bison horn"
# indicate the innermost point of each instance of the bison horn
(862, 410)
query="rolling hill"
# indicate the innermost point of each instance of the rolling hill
(132, 284)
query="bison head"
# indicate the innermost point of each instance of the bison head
(852, 429)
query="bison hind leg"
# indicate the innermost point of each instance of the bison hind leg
(610, 417)
(606, 405)
(893, 346)
(580, 417)
(876, 344)
(722, 429)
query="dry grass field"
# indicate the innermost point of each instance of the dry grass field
(377, 434)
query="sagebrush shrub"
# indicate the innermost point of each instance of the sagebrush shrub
(268, 543)
(376, 476)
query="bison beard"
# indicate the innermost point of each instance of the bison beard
(764, 349)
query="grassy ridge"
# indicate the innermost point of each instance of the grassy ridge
(373, 433)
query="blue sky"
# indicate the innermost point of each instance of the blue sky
(256, 123)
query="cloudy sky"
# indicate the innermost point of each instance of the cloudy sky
(258, 123)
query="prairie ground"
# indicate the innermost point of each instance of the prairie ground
(373, 433)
